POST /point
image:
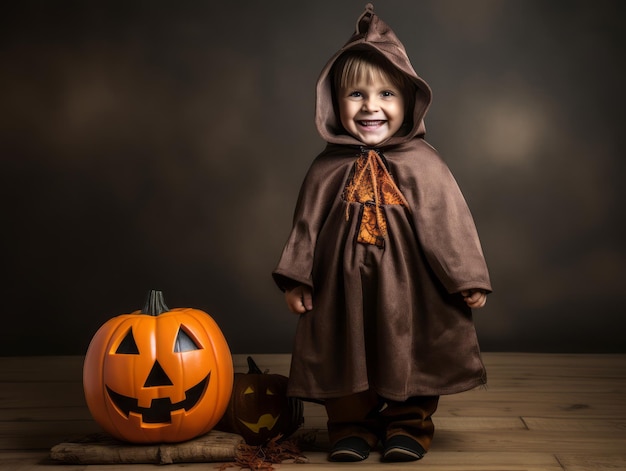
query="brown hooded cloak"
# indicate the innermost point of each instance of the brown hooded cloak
(387, 317)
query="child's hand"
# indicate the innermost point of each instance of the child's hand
(299, 299)
(474, 298)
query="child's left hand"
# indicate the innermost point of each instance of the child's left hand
(474, 298)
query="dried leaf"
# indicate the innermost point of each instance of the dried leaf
(263, 457)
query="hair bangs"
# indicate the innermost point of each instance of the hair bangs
(368, 68)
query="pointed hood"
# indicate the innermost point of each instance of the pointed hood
(374, 34)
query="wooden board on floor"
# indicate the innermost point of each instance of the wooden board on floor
(100, 448)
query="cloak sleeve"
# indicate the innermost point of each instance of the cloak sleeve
(317, 195)
(443, 223)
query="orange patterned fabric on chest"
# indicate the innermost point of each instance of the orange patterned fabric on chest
(372, 186)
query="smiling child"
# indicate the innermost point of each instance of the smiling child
(383, 263)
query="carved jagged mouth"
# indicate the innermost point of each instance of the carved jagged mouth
(160, 409)
(265, 421)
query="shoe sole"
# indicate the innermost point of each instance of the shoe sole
(401, 454)
(346, 456)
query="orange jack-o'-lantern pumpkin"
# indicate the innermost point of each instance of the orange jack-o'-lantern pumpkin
(259, 408)
(158, 375)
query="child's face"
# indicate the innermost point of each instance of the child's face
(371, 112)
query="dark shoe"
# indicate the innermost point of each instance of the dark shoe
(350, 449)
(402, 448)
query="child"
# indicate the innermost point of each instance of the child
(383, 262)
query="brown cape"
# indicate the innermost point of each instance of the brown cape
(387, 317)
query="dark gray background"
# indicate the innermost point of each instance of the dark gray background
(153, 144)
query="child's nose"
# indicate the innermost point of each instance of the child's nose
(370, 104)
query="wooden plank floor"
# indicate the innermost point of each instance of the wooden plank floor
(545, 412)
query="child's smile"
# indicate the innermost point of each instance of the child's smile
(372, 112)
(372, 124)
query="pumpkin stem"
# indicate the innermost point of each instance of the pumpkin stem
(155, 304)
(253, 368)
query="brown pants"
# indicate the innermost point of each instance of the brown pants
(372, 418)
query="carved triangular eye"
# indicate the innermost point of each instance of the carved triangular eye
(184, 342)
(128, 346)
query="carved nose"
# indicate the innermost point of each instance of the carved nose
(157, 377)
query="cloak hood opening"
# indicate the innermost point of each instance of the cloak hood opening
(371, 33)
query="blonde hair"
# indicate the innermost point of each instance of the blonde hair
(355, 66)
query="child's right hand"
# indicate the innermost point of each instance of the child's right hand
(475, 298)
(299, 299)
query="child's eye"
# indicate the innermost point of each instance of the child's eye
(387, 93)
(355, 94)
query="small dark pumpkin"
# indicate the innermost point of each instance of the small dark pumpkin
(259, 408)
